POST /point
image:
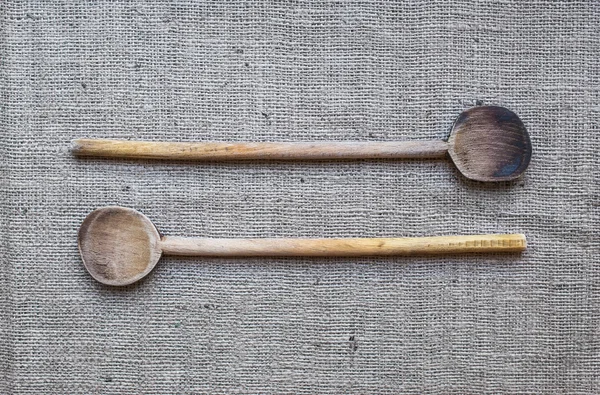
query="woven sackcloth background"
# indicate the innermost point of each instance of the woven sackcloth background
(299, 71)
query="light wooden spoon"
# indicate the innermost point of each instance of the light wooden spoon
(486, 144)
(120, 246)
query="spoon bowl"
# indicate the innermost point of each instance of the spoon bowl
(118, 245)
(489, 143)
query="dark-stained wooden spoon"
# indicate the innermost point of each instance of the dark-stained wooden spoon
(486, 143)
(120, 246)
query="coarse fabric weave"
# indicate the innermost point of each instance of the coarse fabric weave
(299, 71)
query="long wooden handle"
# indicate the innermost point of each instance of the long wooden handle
(268, 150)
(343, 247)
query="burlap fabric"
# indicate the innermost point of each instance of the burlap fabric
(299, 71)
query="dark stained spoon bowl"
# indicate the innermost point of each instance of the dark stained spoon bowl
(489, 143)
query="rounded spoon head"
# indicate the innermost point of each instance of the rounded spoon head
(489, 143)
(118, 245)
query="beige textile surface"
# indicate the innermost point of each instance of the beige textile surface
(299, 71)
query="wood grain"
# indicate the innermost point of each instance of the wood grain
(265, 151)
(343, 247)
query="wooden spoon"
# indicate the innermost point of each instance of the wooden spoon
(119, 246)
(486, 144)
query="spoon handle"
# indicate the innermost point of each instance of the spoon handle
(266, 150)
(342, 247)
